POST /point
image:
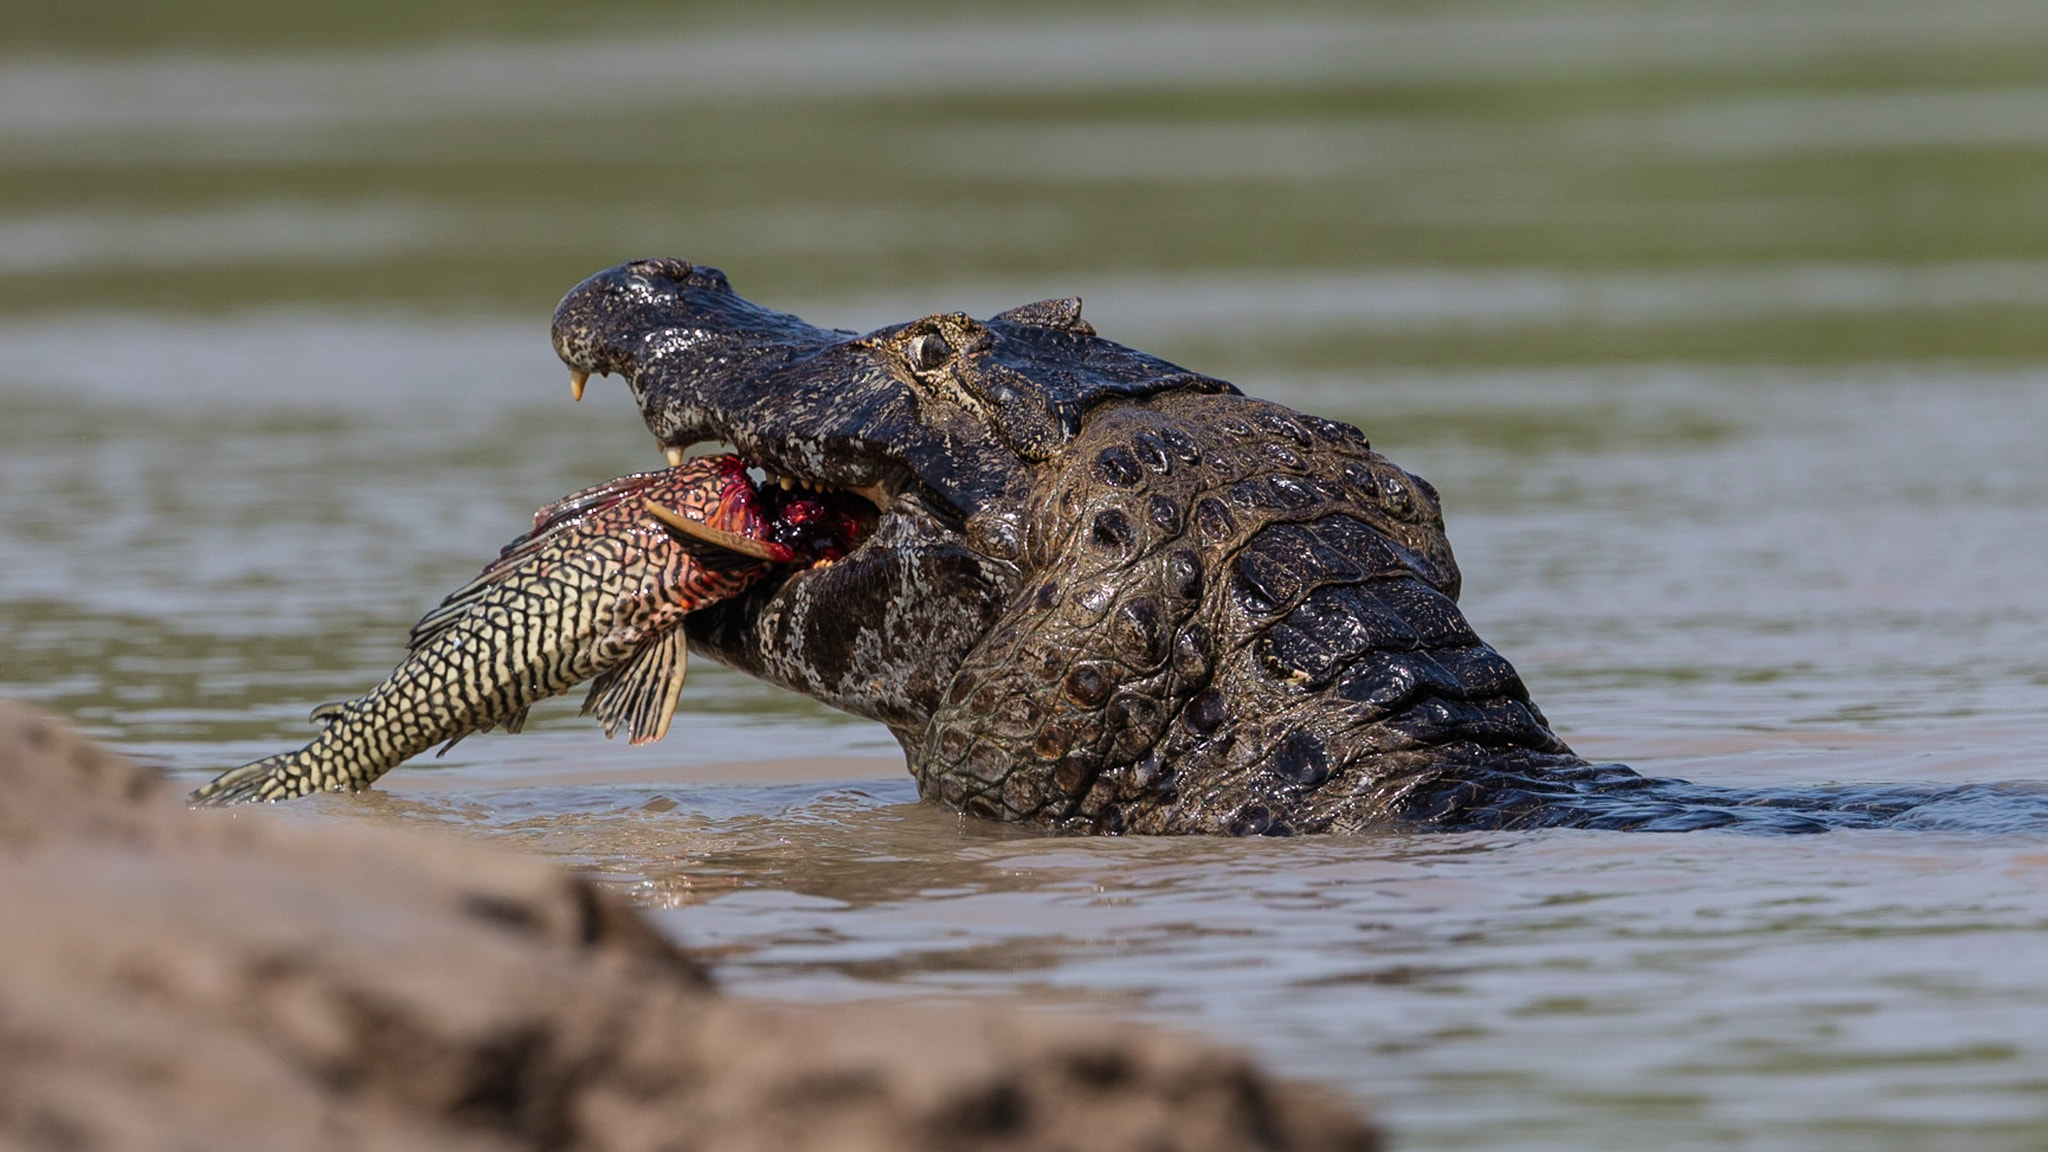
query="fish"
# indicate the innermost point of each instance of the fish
(597, 590)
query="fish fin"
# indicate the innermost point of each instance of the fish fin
(271, 778)
(591, 499)
(560, 517)
(328, 713)
(455, 607)
(512, 723)
(549, 522)
(640, 694)
(447, 614)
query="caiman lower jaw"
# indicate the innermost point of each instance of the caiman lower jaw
(803, 523)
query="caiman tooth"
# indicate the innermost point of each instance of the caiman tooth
(730, 541)
(577, 380)
(675, 456)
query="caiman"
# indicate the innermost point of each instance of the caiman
(1093, 591)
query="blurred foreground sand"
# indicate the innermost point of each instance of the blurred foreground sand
(177, 979)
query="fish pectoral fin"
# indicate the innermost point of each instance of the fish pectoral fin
(550, 525)
(640, 694)
(512, 723)
(447, 614)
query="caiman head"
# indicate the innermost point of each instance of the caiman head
(1099, 591)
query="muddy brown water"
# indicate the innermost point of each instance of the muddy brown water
(1723, 332)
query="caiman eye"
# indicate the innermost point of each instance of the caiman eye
(928, 352)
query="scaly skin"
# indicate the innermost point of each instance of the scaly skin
(598, 581)
(1239, 619)
(1106, 593)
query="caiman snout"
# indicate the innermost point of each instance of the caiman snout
(581, 344)
(592, 318)
(610, 322)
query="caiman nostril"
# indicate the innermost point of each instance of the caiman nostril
(666, 267)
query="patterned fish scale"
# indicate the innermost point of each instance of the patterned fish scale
(597, 589)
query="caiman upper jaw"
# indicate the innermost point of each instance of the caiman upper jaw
(707, 365)
(964, 409)
(604, 324)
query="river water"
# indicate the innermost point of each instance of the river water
(1723, 331)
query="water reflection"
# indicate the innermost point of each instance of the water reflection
(1493, 987)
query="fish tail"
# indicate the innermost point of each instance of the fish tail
(279, 777)
(314, 768)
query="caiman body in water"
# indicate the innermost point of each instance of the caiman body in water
(1095, 591)
(1106, 593)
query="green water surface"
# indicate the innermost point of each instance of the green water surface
(1722, 327)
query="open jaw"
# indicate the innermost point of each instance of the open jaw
(927, 434)
(815, 538)
(847, 564)
(789, 522)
